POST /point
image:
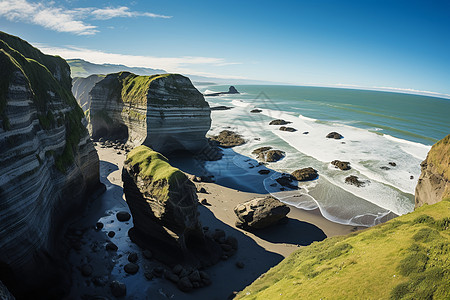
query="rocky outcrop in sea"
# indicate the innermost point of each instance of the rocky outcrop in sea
(434, 180)
(165, 112)
(47, 167)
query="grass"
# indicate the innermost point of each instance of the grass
(405, 258)
(439, 157)
(155, 167)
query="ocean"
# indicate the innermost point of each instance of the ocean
(378, 128)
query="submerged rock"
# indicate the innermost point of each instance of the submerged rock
(354, 180)
(334, 135)
(118, 289)
(305, 174)
(286, 180)
(256, 110)
(123, 216)
(279, 122)
(289, 129)
(231, 90)
(267, 154)
(343, 165)
(260, 213)
(228, 139)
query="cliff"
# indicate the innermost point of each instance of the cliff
(433, 184)
(404, 258)
(165, 112)
(81, 88)
(47, 165)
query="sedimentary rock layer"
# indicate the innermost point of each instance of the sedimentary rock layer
(47, 162)
(81, 88)
(433, 184)
(165, 112)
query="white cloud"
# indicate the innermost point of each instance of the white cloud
(64, 20)
(123, 11)
(182, 64)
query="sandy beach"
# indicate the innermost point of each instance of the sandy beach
(258, 251)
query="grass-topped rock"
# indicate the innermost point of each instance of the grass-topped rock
(405, 258)
(163, 203)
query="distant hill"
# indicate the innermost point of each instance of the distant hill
(82, 68)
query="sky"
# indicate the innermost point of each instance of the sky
(402, 45)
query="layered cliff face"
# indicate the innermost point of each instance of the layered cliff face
(434, 180)
(163, 202)
(81, 88)
(47, 163)
(165, 112)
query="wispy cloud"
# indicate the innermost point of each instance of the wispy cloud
(183, 64)
(123, 12)
(60, 19)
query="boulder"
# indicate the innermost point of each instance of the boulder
(289, 129)
(279, 122)
(123, 216)
(232, 90)
(354, 180)
(131, 268)
(256, 110)
(305, 174)
(228, 139)
(185, 285)
(260, 213)
(260, 150)
(133, 257)
(343, 165)
(334, 135)
(393, 164)
(286, 180)
(264, 172)
(163, 202)
(118, 289)
(267, 154)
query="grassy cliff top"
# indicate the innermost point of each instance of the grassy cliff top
(135, 89)
(154, 166)
(405, 258)
(439, 156)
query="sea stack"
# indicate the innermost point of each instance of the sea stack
(47, 166)
(165, 112)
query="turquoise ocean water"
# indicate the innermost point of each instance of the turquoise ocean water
(378, 128)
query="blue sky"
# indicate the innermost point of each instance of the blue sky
(397, 44)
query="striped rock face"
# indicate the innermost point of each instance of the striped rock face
(47, 160)
(165, 112)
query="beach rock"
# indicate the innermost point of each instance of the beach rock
(185, 285)
(148, 275)
(411, 177)
(98, 226)
(48, 166)
(260, 213)
(256, 110)
(286, 180)
(260, 150)
(343, 165)
(177, 269)
(202, 190)
(354, 180)
(133, 257)
(289, 129)
(194, 276)
(305, 174)
(163, 202)
(240, 264)
(118, 289)
(264, 172)
(267, 154)
(111, 234)
(334, 135)
(221, 107)
(228, 139)
(205, 202)
(131, 268)
(434, 180)
(232, 90)
(111, 246)
(123, 216)
(86, 270)
(384, 168)
(306, 132)
(279, 122)
(393, 164)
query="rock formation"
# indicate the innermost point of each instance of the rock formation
(433, 184)
(343, 165)
(165, 112)
(81, 88)
(279, 122)
(228, 139)
(267, 154)
(231, 90)
(305, 174)
(334, 135)
(260, 213)
(354, 180)
(289, 129)
(163, 202)
(47, 165)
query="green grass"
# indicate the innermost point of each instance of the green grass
(155, 167)
(405, 258)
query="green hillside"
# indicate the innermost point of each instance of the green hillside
(405, 258)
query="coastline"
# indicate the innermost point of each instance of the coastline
(258, 251)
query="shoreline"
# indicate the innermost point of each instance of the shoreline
(258, 251)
